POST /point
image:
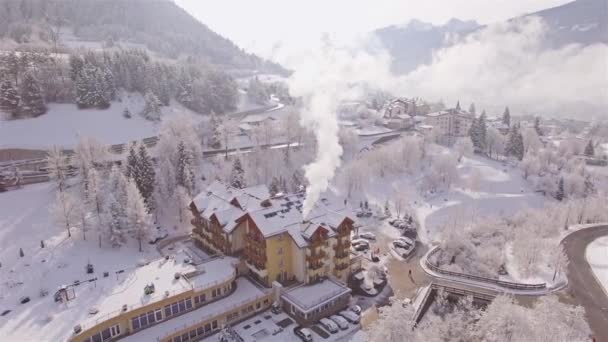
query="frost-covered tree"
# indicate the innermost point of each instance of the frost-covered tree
(152, 106)
(506, 117)
(589, 149)
(64, 210)
(116, 221)
(273, 188)
(132, 163)
(496, 142)
(529, 166)
(458, 105)
(463, 147)
(531, 140)
(9, 97)
(472, 109)
(228, 129)
(297, 181)
(31, 97)
(58, 166)
(237, 176)
(137, 218)
(89, 153)
(183, 202)
(93, 87)
(394, 324)
(96, 195)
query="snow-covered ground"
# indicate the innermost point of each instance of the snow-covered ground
(24, 223)
(597, 257)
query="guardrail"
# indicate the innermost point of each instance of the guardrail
(506, 284)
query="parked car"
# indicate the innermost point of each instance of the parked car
(24, 299)
(350, 316)
(400, 244)
(303, 333)
(340, 321)
(329, 325)
(368, 235)
(360, 244)
(361, 248)
(407, 240)
(356, 309)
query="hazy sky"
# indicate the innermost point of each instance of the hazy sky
(260, 25)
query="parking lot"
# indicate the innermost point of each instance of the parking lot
(271, 327)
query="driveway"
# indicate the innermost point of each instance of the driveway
(583, 286)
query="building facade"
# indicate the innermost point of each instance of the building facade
(451, 124)
(270, 236)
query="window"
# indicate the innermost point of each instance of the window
(96, 338)
(188, 303)
(185, 337)
(143, 320)
(135, 323)
(177, 339)
(151, 318)
(207, 327)
(174, 308)
(105, 334)
(196, 300)
(200, 331)
(213, 293)
(168, 311)
(182, 306)
(214, 325)
(115, 330)
(87, 340)
(159, 315)
(258, 305)
(192, 333)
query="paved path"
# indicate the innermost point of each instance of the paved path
(583, 285)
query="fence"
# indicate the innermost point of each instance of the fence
(506, 284)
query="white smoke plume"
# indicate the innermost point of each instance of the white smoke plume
(323, 80)
(502, 65)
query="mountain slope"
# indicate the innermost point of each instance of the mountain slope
(160, 25)
(583, 21)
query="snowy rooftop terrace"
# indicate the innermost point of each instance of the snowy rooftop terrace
(309, 297)
(130, 289)
(245, 292)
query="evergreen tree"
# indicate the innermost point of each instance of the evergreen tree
(147, 177)
(132, 164)
(76, 66)
(478, 133)
(31, 98)
(237, 177)
(589, 149)
(537, 127)
(92, 88)
(506, 117)
(9, 98)
(458, 105)
(559, 195)
(472, 109)
(515, 144)
(116, 221)
(151, 109)
(274, 186)
(184, 170)
(215, 141)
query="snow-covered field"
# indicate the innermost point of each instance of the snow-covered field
(597, 257)
(24, 222)
(64, 123)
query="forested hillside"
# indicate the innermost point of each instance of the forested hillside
(160, 25)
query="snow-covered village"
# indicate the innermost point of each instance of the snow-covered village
(173, 171)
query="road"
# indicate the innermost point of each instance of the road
(583, 286)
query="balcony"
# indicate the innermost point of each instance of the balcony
(341, 267)
(255, 240)
(315, 265)
(316, 256)
(341, 254)
(341, 245)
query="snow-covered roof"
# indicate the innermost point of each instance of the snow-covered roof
(309, 297)
(217, 200)
(272, 215)
(213, 271)
(245, 292)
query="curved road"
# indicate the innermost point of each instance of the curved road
(582, 284)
